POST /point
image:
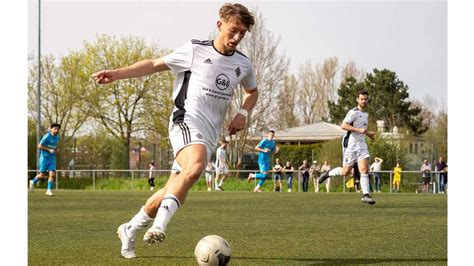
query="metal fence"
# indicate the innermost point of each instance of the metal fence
(411, 181)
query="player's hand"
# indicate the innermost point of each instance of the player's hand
(51, 151)
(371, 135)
(267, 150)
(237, 124)
(362, 130)
(105, 76)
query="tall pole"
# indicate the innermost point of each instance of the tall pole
(38, 92)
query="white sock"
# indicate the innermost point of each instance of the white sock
(364, 183)
(336, 171)
(257, 187)
(169, 205)
(140, 220)
(221, 183)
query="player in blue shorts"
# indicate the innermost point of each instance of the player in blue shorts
(264, 148)
(48, 147)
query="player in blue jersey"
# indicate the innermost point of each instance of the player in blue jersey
(264, 148)
(48, 147)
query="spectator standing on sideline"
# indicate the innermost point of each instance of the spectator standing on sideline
(222, 168)
(277, 178)
(397, 177)
(305, 175)
(288, 169)
(375, 168)
(210, 169)
(441, 167)
(314, 172)
(151, 175)
(426, 175)
(324, 170)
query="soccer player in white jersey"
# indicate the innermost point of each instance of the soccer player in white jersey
(207, 72)
(222, 169)
(354, 146)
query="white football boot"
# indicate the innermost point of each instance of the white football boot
(154, 235)
(128, 243)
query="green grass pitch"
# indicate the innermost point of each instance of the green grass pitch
(79, 228)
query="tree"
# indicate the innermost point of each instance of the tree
(119, 106)
(62, 88)
(271, 68)
(423, 120)
(351, 70)
(286, 111)
(316, 87)
(389, 98)
(347, 95)
(390, 151)
(388, 101)
(438, 134)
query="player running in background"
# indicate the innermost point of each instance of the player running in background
(264, 148)
(48, 147)
(208, 72)
(222, 169)
(354, 146)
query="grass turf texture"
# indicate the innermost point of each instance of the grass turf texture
(78, 228)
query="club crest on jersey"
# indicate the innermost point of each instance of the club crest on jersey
(237, 71)
(222, 82)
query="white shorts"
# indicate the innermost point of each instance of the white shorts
(222, 170)
(183, 135)
(209, 177)
(354, 154)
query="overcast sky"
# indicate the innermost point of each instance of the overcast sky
(408, 37)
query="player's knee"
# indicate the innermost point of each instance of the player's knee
(345, 172)
(194, 171)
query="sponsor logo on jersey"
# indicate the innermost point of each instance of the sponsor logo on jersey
(222, 82)
(237, 71)
(208, 61)
(199, 136)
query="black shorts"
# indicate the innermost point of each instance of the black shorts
(277, 176)
(426, 180)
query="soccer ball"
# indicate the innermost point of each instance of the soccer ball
(212, 250)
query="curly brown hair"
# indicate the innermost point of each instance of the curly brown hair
(239, 12)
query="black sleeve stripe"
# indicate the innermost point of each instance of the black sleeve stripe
(206, 42)
(239, 52)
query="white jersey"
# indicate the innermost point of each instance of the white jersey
(221, 156)
(358, 119)
(205, 83)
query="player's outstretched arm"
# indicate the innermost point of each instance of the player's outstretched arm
(240, 119)
(139, 69)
